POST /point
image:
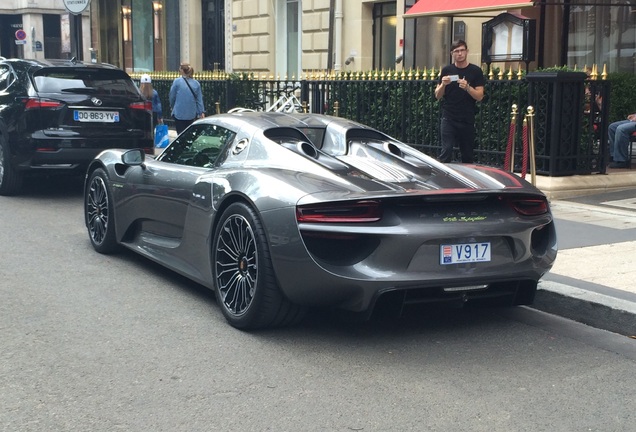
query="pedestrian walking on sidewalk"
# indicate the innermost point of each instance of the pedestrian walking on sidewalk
(149, 93)
(619, 133)
(186, 99)
(461, 85)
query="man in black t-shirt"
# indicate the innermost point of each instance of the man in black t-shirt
(461, 86)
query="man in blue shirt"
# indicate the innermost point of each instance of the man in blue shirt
(186, 99)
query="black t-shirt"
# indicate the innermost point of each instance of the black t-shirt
(457, 104)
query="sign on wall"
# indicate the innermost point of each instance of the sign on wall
(508, 37)
(76, 6)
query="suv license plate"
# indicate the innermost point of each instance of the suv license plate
(96, 116)
(461, 253)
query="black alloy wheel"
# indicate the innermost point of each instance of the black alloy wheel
(99, 216)
(245, 283)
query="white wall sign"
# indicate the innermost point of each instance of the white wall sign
(76, 6)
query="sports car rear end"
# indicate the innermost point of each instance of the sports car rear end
(431, 247)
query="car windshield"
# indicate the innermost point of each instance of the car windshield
(199, 145)
(85, 81)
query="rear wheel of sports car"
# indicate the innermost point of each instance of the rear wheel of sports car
(246, 286)
(10, 179)
(98, 208)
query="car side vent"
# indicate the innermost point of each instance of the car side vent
(393, 149)
(304, 148)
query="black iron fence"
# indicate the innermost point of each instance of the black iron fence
(570, 133)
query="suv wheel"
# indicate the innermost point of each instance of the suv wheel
(10, 179)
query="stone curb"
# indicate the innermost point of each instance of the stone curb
(587, 307)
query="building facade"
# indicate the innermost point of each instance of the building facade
(42, 29)
(287, 38)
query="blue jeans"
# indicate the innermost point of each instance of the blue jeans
(619, 133)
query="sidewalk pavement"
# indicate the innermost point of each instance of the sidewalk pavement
(593, 280)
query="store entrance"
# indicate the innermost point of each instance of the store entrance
(9, 25)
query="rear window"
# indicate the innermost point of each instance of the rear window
(84, 81)
(315, 135)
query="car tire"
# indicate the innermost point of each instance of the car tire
(245, 284)
(98, 213)
(10, 179)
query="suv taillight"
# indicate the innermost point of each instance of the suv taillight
(38, 103)
(147, 105)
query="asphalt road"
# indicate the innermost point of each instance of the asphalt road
(115, 343)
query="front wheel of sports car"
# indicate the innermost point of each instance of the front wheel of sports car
(246, 286)
(98, 208)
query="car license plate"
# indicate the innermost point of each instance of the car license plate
(461, 253)
(96, 116)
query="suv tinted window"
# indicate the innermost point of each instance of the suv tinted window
(5, 77)
(84, 82)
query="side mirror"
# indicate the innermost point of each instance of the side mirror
(134, 157)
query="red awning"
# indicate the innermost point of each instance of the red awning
(454, 7)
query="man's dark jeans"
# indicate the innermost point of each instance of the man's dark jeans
(457, 134)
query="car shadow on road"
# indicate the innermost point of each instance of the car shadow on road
(51, 186)
(319, 322)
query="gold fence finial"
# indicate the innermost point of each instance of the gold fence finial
(604, 74)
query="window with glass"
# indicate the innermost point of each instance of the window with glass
(200, 145)
(602, 35)
(427, 42)
(5, 77)
(288, 45)
(384, 34)
(293, 38)
(213, 34)
(142, 34)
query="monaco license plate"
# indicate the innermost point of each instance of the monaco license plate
(96, 116)
(461, 253)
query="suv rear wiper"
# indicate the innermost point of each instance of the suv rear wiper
(81, 90)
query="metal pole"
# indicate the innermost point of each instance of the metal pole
(513, 122)
(76, 36)
(533, 167)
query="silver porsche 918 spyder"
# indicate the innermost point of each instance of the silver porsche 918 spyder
(281, 212)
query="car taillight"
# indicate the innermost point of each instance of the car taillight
(528, 206)
(38, 103)
(346, 212)
(146, 106)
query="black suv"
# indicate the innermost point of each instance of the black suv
(57, 115)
